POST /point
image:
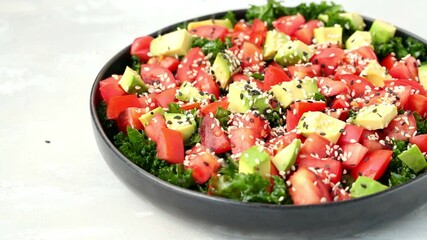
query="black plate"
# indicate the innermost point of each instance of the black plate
(324, 220)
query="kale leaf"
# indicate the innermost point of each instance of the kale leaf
(209, 46)
(140, 150)
(175, 108)
(268, 12)
(136, 64)
(421, 123)
(193, 140)
(230, 16)
(274, 117)
(402, 47)
(398, 172)
(222, 116)
(109, 125)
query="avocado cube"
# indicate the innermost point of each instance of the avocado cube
(364, 186)
(286, 158)
(216, 22)
(255, 160)
(358, 39)
(413, 158)
(132, 82)
(375, 117)
(328, 35)
(274, 41)
(381, 31)
(146, 117)
(375, 73)
(293, 52)
(182, 123)
(187, 92)
(322, 124)
(355, 20)
(171, 44)
(287, 92)
(238, 98)
(422, 75)
(225, 65)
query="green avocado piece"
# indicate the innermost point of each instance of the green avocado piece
(187, 92)
(328, 35)
(413, 158)
(225, 65)
(216, 22)
(293, 52)
(364, 186)
(146, 117)
(381, 31)
(132, 82)
(238, 98)
(182, 123)
(171, 44)
(286, 158)
(375, 73)
(358, 39)
(422, 75)
(375, 117)
(274, 41)
(296, 89)
(255, 160)
(355, 20)
(322, 124)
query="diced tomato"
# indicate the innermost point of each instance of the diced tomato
(258, 32)
(291, 120)
(412, 65)
(153, 128)
(329, 87)
(251, 56)
(190, 65)
(253, 121)
(341, 102)
(341, 114)
(170, 146)
(166, 97)
(170, 63)
(402, 127)
(306, 32)
(239, 77)
(289, 24)
(141, 47)
(213, 107)
(273, 76)
(241, 139)
(118, 104)
(130, 117)
(301, 107)
(156, 74)
(367, 53)
(189, 106)
(353, 154)
(373, 164)
(203, 163)
(328, 59)
(315, 145)
(109, 80)
(327, 168)
(206, 83)
(351, 134)
(210, 32)
(344, 69)
(280, 142)
(148, 101)
(110, 89)
(389, 61)
(406, 82)
(399, 70)
(212, 136)
(308, 188)
(357, 85)
(371, 141)
(420, 141)
(340, 194)
(417, 103)
(301, 71)
(242, 26)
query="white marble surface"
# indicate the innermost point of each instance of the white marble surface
(50, 54)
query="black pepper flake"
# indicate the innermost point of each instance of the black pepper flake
(241, 96)
(363, 185)
(304, 53)
(322, 134)
(251, 120)
(180, 93)
(341, 130)
(169, 122)
(152, 113)
(379, 115)
(256, 114)
(351, 82)
(177, 117)
(375, 110)
(47, 141)
(366, 159)
(299, 86)
(206, 164)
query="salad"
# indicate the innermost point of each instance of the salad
(290, 105)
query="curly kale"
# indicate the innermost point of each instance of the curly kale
(136, 64)
(211, 46)
(421, 123)
(108, 124)
(402, 47)
(174, 108)
(230, 16)
(140, 150)
(274, 117)
(222, 116)
(398, 172)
